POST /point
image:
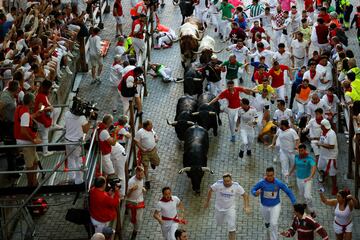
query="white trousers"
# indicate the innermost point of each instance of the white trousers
(166, 73)
(228, 217)
(118, 161)
(315, 147)
(301, 109)
(247, 138)
(298, 63)
(225, 28)
(271, 218)
(139, 47)
(215, 87)
(214, 16)
(73, 153)
(201, 13)
(287, 161)
(168, 230)
(107, 164)
(233, 114)
(276, 39)
(280, 92)
(44, 134)
(305, 192)
(98, 225)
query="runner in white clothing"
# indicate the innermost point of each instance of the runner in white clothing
(288, 142)
(166, 213)
(201, 11)
(227, 192)
(248, 120)
(115, 78)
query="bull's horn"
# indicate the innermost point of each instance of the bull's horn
(197, 79)
(185, 169)
(198, 52)
(219, 51)
(195, 113)
(212, 113)
(190, 122)
(172, 124)
(206, 169)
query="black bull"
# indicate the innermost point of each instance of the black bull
(196, 148)
(186, 8)
(186, 105)
(208, 116)
(193, 81)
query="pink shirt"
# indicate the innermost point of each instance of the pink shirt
(286, 4)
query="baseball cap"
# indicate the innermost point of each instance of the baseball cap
(326, 124)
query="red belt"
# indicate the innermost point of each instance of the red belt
(175, 219)
(329, 165)
(133, 208)
(343, 226)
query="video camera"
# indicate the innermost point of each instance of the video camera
(80, 107)
(154, 3)
(112, 183)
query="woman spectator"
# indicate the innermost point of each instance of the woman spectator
(48, 116)
(344, 204)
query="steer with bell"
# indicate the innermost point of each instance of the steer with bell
(196, 148)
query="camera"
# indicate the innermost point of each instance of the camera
(154, 3)
(80, 107)
(112, 183)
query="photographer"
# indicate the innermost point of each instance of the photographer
(103, 205)
(25, 132)
(106, 142)
(76, 126)
(128, 88)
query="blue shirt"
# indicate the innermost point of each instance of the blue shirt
(298, 80)
(270, 192)
(303, 166)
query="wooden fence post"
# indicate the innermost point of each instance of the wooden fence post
(82, 67)
(350, 174)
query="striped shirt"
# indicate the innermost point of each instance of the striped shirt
(306, 227)
(255, 10)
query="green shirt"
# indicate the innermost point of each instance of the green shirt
(158, 68)
(331, 9)
(226, 11)
(232, 70)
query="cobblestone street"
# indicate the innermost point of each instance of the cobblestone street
(159, 105)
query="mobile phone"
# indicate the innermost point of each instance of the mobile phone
(42, 108)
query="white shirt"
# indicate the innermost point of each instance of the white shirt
(265, 53)
(104, 135)
(325, 72)
(332, 107)
(266, 44)
(282, 115)
(259, 103)
(313, 81)
(314, 128)
(115, 74)
(136, 195)
(248, 118)
(311, 107)
(287, 139)
(299, 48)
(94, 45)
(226, 196)
(73, 126)
(283, 59)
(168, 209)
(329, 138)
(146, 139)
(295, 22)
(24, 122)
(240, 53)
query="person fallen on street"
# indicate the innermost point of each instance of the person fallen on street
(165, 73)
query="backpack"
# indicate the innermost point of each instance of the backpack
(342, 37)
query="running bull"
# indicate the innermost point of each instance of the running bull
(196, 148)
(186, 8)
(208, 116)
(206, 49)
(183, 120)
(193, 81)
(190, 35)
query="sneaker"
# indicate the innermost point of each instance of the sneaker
(248, 152)
(114, 112)
(166, 80)
(138, 114)
(166, 46)
(67, 69)
(48, 153)
(153, 166)
(232, 138)
(147, 185)
(313, 214)
(179, 80)
(157, 47)
(215, 30)
(241, 154)
(321, 177)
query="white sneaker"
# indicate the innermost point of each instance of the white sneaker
(48, 153)
(67, 69)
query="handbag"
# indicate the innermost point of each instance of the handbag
(78, 216)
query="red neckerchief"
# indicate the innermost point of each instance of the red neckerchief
(119, 44)
(166, 200)
(303, 155)
(318, 120)
(330, 98)
(114, 64)
(325, 131)
(299, 74)
(312, 73)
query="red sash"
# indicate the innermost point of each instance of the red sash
(175, 219)
(133, 207)
(329, 165)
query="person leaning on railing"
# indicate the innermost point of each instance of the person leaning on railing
(25, 132)
(103, 205)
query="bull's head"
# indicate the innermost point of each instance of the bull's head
(195, 174)
(180, 127)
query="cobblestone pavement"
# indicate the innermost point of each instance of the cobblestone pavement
(159, 105)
